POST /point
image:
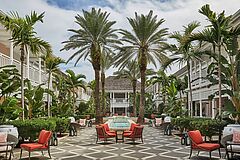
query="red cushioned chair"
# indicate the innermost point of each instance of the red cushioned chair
(102, 134)
(41, 145)
(135, 134)
(131, 127)
(107, 129)
(197, 143)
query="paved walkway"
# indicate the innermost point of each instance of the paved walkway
(156, 146)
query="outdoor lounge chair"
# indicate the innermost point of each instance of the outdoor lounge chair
(197, 143)
(107, 129)
(41, 145)
(102, 134)
(158, 122)
(131, 127)
(135, 134)
(9, 142)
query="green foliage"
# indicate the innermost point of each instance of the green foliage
(62, 124)
(31, 128)
(9, 109)
(34, 99)
(82, 108)
(208, 127)
(9, 80)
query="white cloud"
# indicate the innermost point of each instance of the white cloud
(56, 22)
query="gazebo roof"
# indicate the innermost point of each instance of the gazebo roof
(114, 83)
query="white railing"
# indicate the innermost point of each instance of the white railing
(33, 70)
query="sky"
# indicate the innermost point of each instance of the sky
(59, 17)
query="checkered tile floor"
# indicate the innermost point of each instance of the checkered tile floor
(156, 146)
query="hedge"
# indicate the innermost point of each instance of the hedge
(208, 127)
(31, 128)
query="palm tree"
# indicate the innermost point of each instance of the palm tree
(24, 36)
(106, 63)
(184, 52)
(94, 35)
(144, 45)
(51, 63)
(75, 81)
(214, 34)
(162, 79)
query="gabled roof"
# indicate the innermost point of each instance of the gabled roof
(114, 83)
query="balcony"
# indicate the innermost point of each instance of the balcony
(119, 102)
(33, 70)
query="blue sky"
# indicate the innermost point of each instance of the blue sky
(59, 17)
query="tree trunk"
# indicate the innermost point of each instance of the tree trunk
(142, 96)
(190, 89)
(74, 101)
(22, 80)
(96, 97)
(219, 80)
(48, 95)
(134, 85)
(103, 93)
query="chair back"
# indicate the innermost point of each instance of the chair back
(106, 127)
(100, 131)
(133, 125)
(195, 137)
(82, 122)
(44, 137)
(158, 120)
(137, 131)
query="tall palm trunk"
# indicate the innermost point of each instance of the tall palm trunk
(190, 89)
(22, 80)
(103, 93)
(219, 80)
(143, 67)
(74, 101)
(96, 97)
(48, 95)
(134, 85)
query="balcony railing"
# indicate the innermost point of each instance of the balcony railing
(33, 70)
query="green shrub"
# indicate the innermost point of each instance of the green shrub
(62, 124)
(208, 127)
(31, 128)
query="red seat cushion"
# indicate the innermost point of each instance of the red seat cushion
(209, 146)
(195, 136)
(33, 146)
(111, 134)
(127, 134)
(132, 126)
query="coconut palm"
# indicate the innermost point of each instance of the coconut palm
(184, 52)
(144, 45)
(75, 81)
(214, 34)
(94, 35)
(51, 63)
(24, 36)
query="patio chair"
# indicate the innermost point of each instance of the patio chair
(82, 122)
(102, 135)
(107, 129)
(41, 145)
(197, 143)
(158, 122)
(131, 128)
(135, 134)
(10, 142)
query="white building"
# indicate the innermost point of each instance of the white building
(33, 66)
(119, 90)
(203, 105)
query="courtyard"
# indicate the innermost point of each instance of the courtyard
(156, 146)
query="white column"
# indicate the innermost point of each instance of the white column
(110, 103)
(113, 102)
(11, 52)
(28, 64)
(200, 84)
(39, 70)
(213, 108)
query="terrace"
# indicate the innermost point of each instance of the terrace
(156, 146)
